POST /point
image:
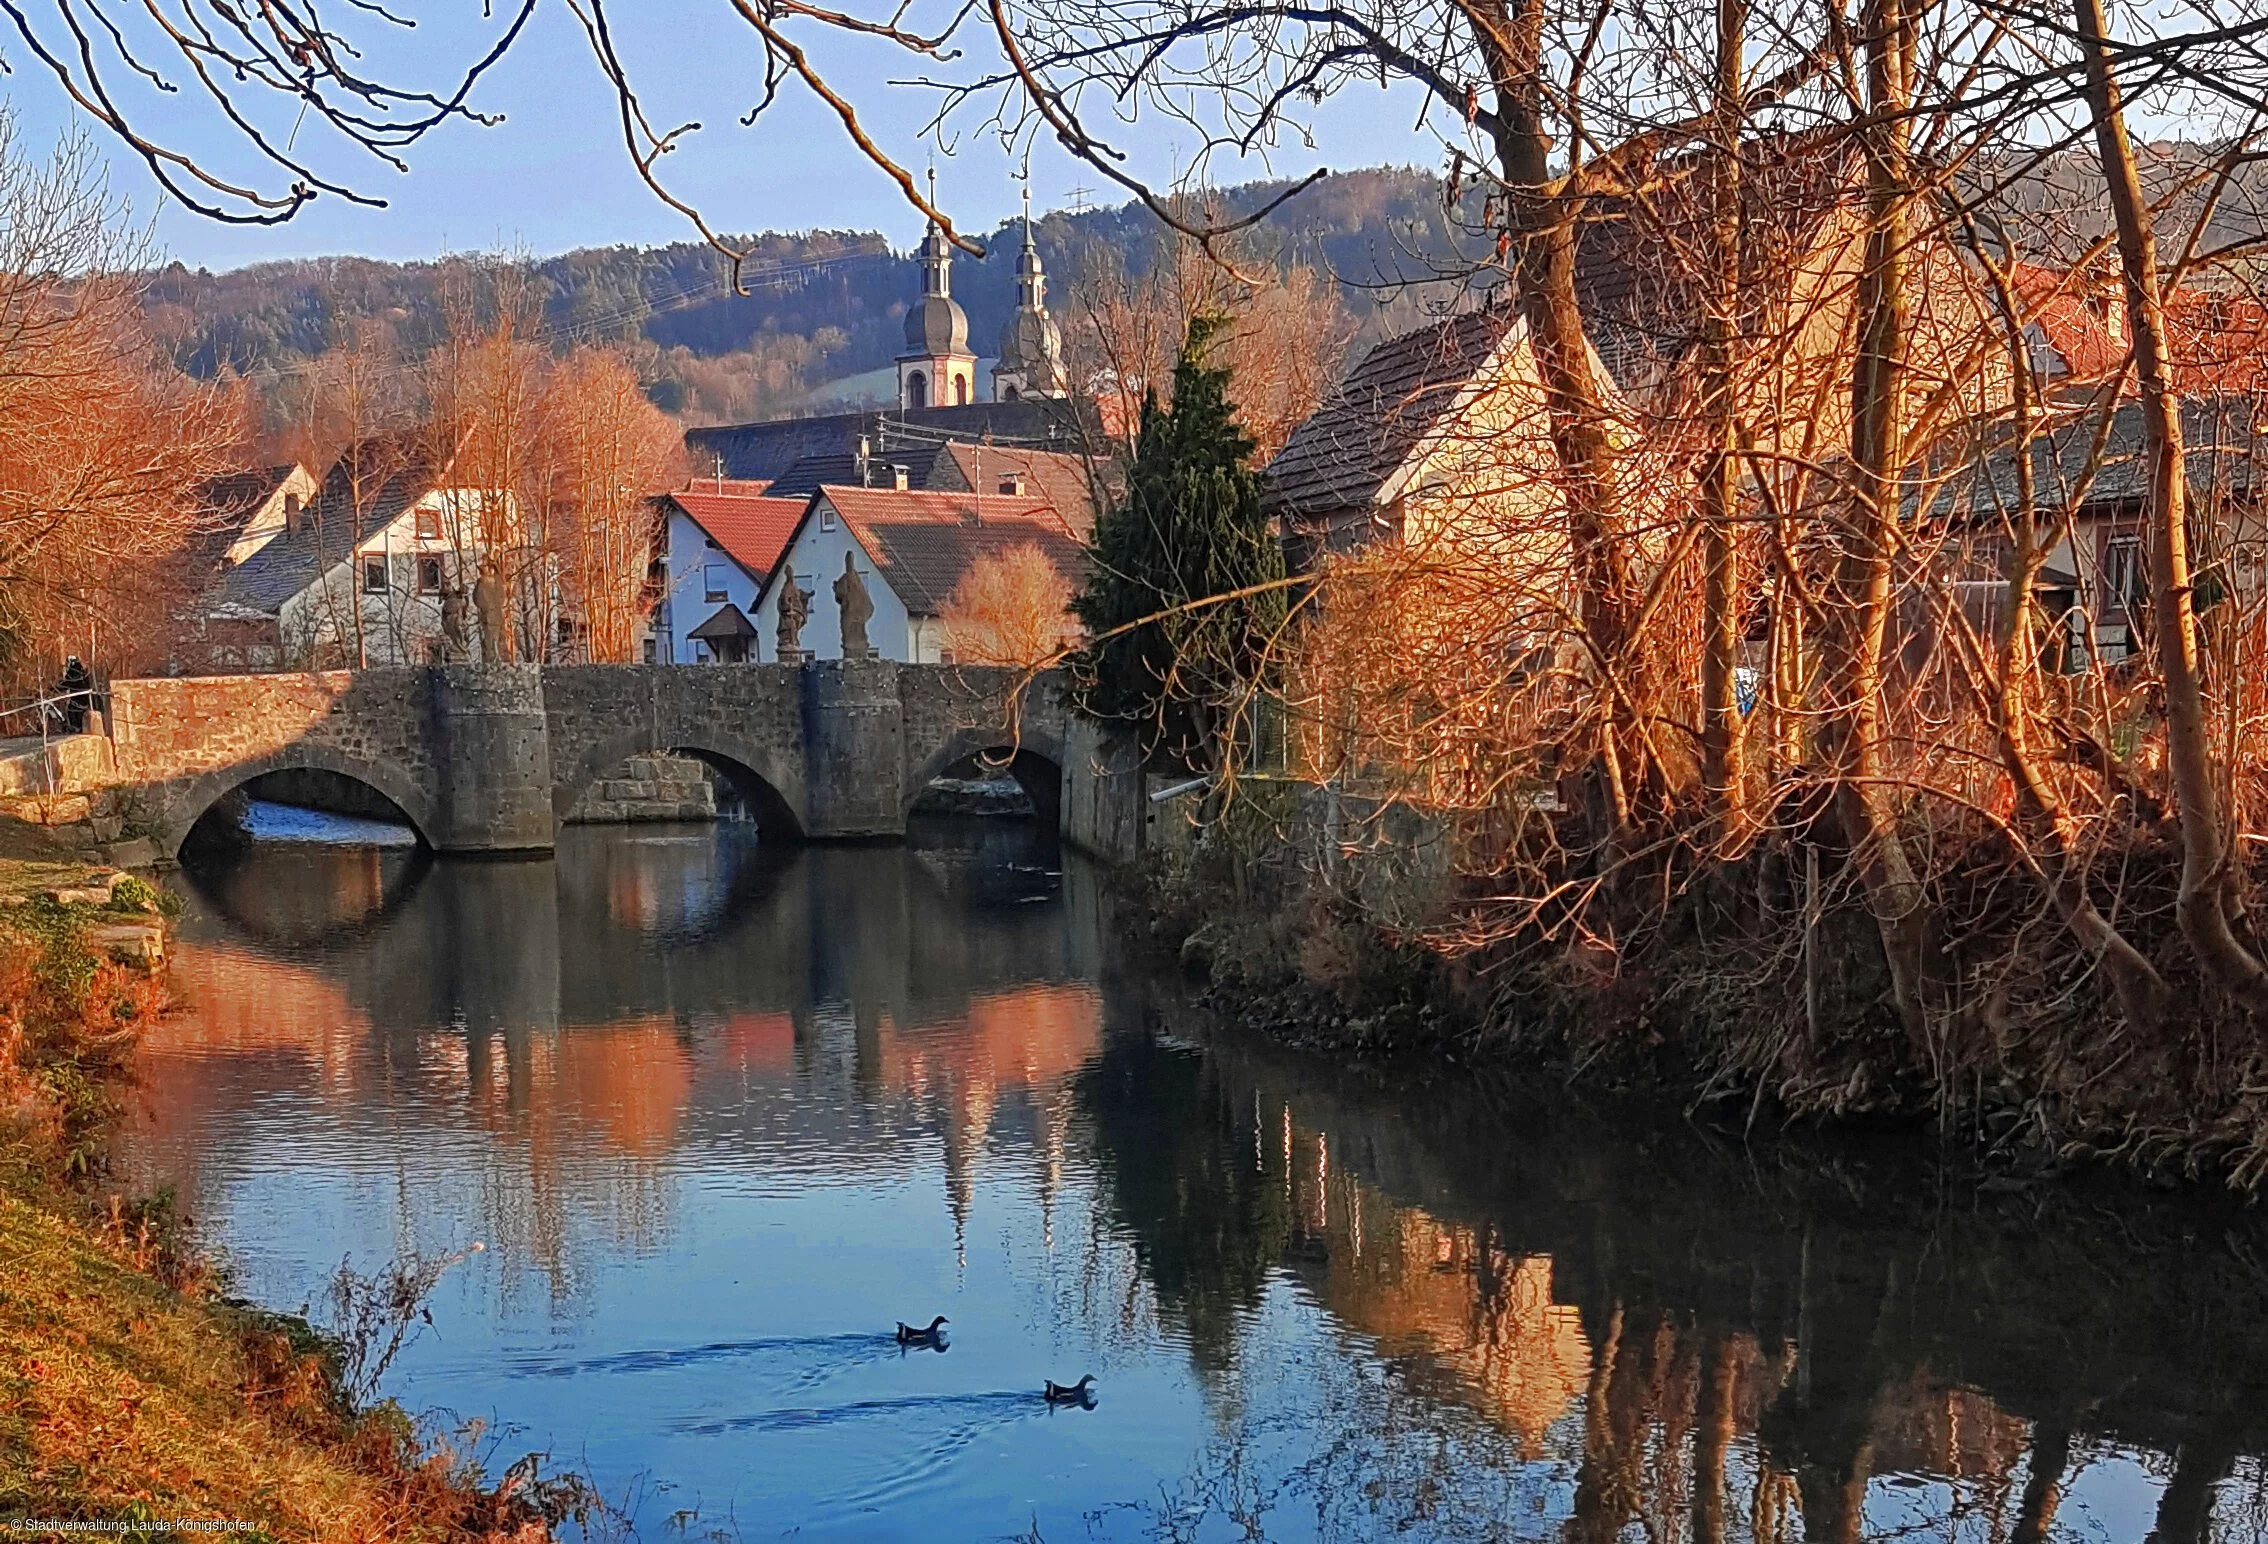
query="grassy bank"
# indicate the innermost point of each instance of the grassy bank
(132, 1388)
(1754, 991)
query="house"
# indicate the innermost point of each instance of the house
(718, 542)
(911, 550)
(1438, 434)
(2094, 586)
(358, 575)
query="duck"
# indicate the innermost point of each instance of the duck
(908, 1335)
(1080, 1393)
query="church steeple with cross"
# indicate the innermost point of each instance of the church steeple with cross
(937, 369)
(1031, 348)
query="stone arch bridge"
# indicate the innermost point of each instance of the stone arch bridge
(490, 758)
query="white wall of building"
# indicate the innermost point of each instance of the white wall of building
(343, 617)
(816, 554)
(698, 571)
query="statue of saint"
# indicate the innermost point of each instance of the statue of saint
(795, 610)
(488, 602)
(857, 607)
(453, 637)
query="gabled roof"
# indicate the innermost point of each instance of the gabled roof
(753, 528)
(729, 622)
(2217, 434)
(2218, 341)
(808, 475)
(1371, 422)
(234, 497)
(922, 543)
(1059, 479)
(389, 476)
(2054, 302)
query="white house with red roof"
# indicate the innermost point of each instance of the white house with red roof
(719, 541)
(911, 549)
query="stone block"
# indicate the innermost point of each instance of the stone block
(135, 852)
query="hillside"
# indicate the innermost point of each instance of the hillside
(824, 304)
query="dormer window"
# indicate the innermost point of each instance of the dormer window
(1012, 484)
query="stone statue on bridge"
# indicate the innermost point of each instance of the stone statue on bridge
(857, 609)
(454, 640)
(488, 602)
(795, 610)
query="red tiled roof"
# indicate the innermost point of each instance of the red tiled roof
(752, 529)
(2055, 302)
(2219, 342)
(1053, 477)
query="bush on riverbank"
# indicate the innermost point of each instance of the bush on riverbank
(130, 1389)
(1735, 987)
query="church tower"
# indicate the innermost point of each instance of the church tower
(1031, 349)
(937, 369)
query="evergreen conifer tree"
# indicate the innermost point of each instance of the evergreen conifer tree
(1188, 529)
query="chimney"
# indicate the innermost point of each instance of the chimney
(858, 462)
(899, 478)
(291, 514)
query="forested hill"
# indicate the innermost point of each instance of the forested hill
(825, 304)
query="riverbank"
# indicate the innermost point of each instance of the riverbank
(1751, 991)
(132, 1387)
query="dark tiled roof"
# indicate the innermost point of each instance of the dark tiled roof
(770, 449)
(327, 534)
(811, 473)
(729, 622)
(1344, 453)
(923, 542)
(1060, 478)
(924, 561)
(235, 497)
(2216, 431)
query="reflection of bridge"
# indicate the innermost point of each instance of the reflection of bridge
(488, 758)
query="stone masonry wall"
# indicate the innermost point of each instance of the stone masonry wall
(649, 788)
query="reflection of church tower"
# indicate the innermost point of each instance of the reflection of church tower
(1031, 350)
(937, 369)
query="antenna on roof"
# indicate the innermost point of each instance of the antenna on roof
(720, 472)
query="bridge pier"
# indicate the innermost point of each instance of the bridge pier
(854, 750)
(493, 737)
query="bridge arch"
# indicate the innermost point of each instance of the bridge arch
(1034, 760)
(187, 801)
(754, 767)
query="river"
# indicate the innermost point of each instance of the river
(720, 1116)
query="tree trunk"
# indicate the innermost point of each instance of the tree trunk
(2043, 1485)
(1852, 730)
(1720, 658)
(1541, 214)
(2140, 990)
(2202, 905)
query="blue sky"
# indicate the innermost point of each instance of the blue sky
(554, 175)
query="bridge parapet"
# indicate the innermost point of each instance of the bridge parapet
(488, 758)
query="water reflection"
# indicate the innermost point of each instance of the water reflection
(724, 1116)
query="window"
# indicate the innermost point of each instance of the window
(960, 391)
(917, 390)
(428, 576)
(1008, 394)
(649, 650)
(428, 524)
(826, 517)
(1011, 485)
(713, 581)
(375, 580)
(2123, 583)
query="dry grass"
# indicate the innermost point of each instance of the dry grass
(129, 1389)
